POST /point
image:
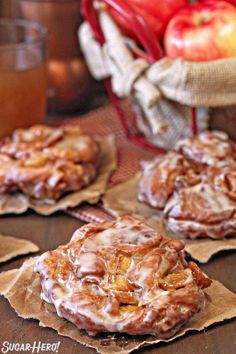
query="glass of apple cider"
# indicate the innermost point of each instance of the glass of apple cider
(23, 75)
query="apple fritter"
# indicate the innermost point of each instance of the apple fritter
(195, 185)
(45, 162)
(122, 276)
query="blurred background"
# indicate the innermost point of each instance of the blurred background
(71, 90)
(70, 87)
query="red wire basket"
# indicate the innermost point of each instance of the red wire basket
(154, 53)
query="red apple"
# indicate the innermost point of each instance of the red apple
(233, 2)
(202, 32)
(155, 13)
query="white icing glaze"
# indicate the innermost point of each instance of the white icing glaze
(199, 197)
(192, 229)
(217, 202)
(208, 148)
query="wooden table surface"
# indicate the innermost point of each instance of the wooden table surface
(48, 233)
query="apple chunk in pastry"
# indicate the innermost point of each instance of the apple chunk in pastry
(208, 148)
(199, 211)
(122, 276)
(45, 162)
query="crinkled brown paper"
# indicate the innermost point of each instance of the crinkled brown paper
(22, 288)
(18, 203)
(11, 247)
(121, 199)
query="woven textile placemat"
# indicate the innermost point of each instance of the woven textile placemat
(102, 122)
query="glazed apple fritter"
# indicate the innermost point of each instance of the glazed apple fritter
(195, 186)
(45, 162)
(122, 276)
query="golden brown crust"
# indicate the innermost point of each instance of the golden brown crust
(46, 162)
(122, 276)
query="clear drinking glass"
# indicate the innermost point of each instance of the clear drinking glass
(23, 75)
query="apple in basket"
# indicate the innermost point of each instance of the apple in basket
(202, 32)
(155, 13)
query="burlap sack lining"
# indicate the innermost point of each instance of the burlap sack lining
(203, 84)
